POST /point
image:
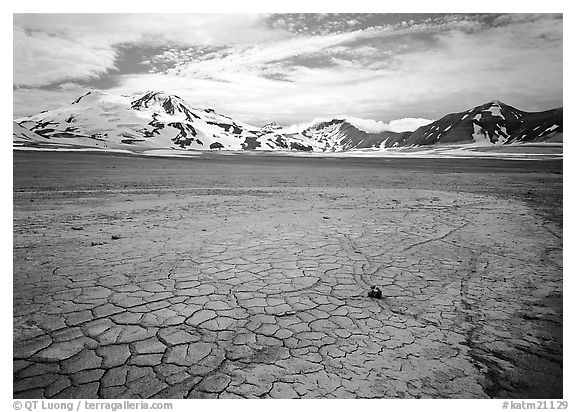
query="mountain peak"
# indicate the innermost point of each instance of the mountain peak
(495, 103)
(271, 127)
(325, 123)
(153, 97)
(90, 95)
(170, 103)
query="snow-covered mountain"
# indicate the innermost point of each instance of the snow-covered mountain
(154, 120)
(339, 135)
(159, 120)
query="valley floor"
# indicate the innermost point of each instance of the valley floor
(247, 276)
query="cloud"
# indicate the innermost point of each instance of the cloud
(465, 62)
(70, 86)
(518, 63)
(51, 48)
(152, 29)
(255, 59)
(257, 73)
(41, 59)
(407, 124)
(367, 125)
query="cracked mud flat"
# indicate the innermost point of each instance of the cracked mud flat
(244, 276)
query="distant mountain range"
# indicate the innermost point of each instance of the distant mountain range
(158, 120)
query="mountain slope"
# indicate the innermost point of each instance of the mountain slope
(21, 135)
(490, 123)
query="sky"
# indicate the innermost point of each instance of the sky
(292, 68)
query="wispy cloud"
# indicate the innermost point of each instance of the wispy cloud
(41, 59)
(290, 68)
(50, 48)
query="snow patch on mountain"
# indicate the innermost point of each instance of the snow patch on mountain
(552, 128)
(495, 109)
(480, 136)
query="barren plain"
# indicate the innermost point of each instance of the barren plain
(247, 276)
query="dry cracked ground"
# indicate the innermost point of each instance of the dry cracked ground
(244, 276)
